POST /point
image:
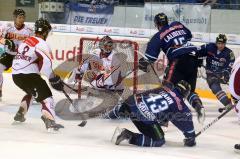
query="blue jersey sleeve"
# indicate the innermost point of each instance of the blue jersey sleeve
(189, 33)
(153, 48)
(231, 60)
(203, 51)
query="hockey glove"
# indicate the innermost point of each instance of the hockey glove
(143, 64)
(225, 76)
(56, 83)
(10, 44)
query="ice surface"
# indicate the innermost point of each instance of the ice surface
(30, 140)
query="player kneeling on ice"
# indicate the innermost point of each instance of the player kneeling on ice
(148, 110)
(31, 60)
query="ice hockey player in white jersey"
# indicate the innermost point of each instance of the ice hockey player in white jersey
(32, 60)
(234, 88)
(101, 68)
(17, 34)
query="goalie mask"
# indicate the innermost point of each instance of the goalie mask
(42, 27)
(183, 88)
(106, 44)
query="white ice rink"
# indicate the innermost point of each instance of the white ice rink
(31, 141)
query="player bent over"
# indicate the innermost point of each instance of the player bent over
(31, 60)
(173, 39)
(148, 110)
(219, 61)
(17, 34)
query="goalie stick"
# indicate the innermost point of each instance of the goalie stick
(84, 122)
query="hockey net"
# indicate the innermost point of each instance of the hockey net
(127, 53)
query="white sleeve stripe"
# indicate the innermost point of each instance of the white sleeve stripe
(151, 56)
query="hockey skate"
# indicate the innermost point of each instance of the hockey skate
(237, 148)
(121, 135)
(51, 125)
(19, 117)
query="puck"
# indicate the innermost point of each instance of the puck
(237, 146)
(83, 123)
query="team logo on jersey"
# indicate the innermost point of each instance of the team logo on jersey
(222, 60)
(232, 57)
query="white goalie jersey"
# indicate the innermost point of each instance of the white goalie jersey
(17, 35)
(33, 57)
(105, 70)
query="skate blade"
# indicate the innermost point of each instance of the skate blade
(237, 151)
(116, 133)
(53, 131)
(17, 122)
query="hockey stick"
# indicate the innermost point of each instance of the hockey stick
(73, 89)
(84, 122)
(214, 121)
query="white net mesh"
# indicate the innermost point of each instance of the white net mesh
(127, 53)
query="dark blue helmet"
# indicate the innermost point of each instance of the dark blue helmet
(160, 19)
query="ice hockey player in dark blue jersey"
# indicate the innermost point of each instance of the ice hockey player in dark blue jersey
(219, 62)
(148, 110)
(173, 39)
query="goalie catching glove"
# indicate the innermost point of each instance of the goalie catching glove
(56, 83)
(89, 76)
